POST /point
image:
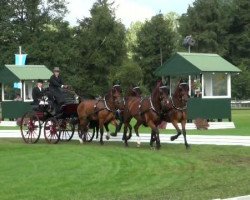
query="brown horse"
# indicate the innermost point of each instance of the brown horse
(102, 110)
(178, 111)
(147, 111)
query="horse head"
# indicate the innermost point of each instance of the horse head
(160, 96)
(116, 93)
(137, 91)
(182, 92)
(164, 97)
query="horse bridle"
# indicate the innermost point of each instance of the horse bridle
(151, 103)
(174, 106)
(114, 101)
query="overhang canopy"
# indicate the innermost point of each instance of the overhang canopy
(195, 63)
(14, 73)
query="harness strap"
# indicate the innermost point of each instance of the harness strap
(151, 107)
(178, 108)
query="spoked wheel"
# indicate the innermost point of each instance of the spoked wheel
(51, 130)
(30, 128)
(67, 130)
(86, 136)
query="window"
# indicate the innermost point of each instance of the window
(29, 85)
(11, 92)
(216, 85)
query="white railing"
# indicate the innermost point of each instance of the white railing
(240, 104)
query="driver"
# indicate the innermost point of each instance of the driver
(55, 87)
(38, 92)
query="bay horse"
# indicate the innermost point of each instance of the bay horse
(147, 111)
(131, 92)
(102, 110)
(178, 110)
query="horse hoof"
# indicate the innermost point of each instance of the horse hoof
(172, 138)
(107, 137)
(152, 148)
(126, 144)
(80, 140)
(102, 143)
(138, 145)
(188, 146)
(113, 134)
(158, 147)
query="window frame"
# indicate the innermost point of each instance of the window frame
(216, 96)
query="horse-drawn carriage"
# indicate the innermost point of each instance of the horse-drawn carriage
(55, 127)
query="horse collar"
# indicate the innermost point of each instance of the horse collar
(106, 105)
(178, 108)
(151, 104)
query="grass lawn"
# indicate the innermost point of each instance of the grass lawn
(91, 171)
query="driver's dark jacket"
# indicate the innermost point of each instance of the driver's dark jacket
(55, 84)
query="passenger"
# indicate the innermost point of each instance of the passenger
(38, 92)
(18, 98)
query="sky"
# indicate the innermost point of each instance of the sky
(128, 10)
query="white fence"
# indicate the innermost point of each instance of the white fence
(240, 104)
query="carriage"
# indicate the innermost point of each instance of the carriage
(55, 127)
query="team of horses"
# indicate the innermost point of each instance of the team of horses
(149, 111)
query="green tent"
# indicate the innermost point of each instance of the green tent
(194, 64)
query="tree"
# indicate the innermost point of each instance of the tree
(100, 43)
(131, 37)
(25, 22)
(129, 74)
(155, 44)
(207, 22)
(239, 47)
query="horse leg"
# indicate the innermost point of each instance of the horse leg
(138, 141)
(154, 133)
(101, 127)
(175, 124)
(152, 139)
(117, 128)
(83, 130)
(125, 130)
(136, 128)
(183, 125)
(96, 129)
(107, 129)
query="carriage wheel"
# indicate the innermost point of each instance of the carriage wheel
(51, 130)
(30, 127)
(87, 136)
(67, 130)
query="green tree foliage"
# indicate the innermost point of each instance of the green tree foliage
(205, 21)
(131, 37)
(129, 74)
(155, 40)
(25, 23)
(99, 46)
(239, 47)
